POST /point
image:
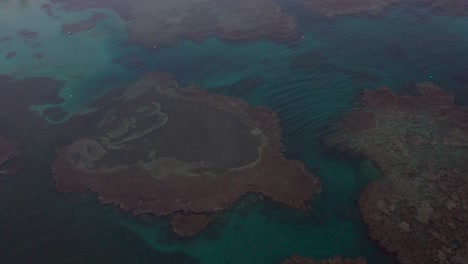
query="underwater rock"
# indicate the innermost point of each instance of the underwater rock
(162, 23)
(10, 55)
(419, 208)
(28, 34)
(48, 9)
(84, 25)
(338, 260)
(8, 150)
(332, 8)
(189, 225)
(155, 147)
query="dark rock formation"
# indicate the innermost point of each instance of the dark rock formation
(419, 208)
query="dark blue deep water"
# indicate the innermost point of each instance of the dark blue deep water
(310, 85)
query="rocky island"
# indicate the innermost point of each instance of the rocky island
(157, 148)
(419, 207)
(162, 23)
(337, 260)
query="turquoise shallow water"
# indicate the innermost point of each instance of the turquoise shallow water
(310, 85)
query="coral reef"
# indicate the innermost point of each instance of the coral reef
(155, 147)
(161, 23)
(419, 208)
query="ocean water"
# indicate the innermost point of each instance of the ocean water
(310, 85)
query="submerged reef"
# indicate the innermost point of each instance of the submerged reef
(337, 260)
(419, 207)
(8, 150)
(157, 148)
(162, 23)
(16, 117)
(332, 8)
(452, 7)
(10, 55)
(16, 99)
(85, 25)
